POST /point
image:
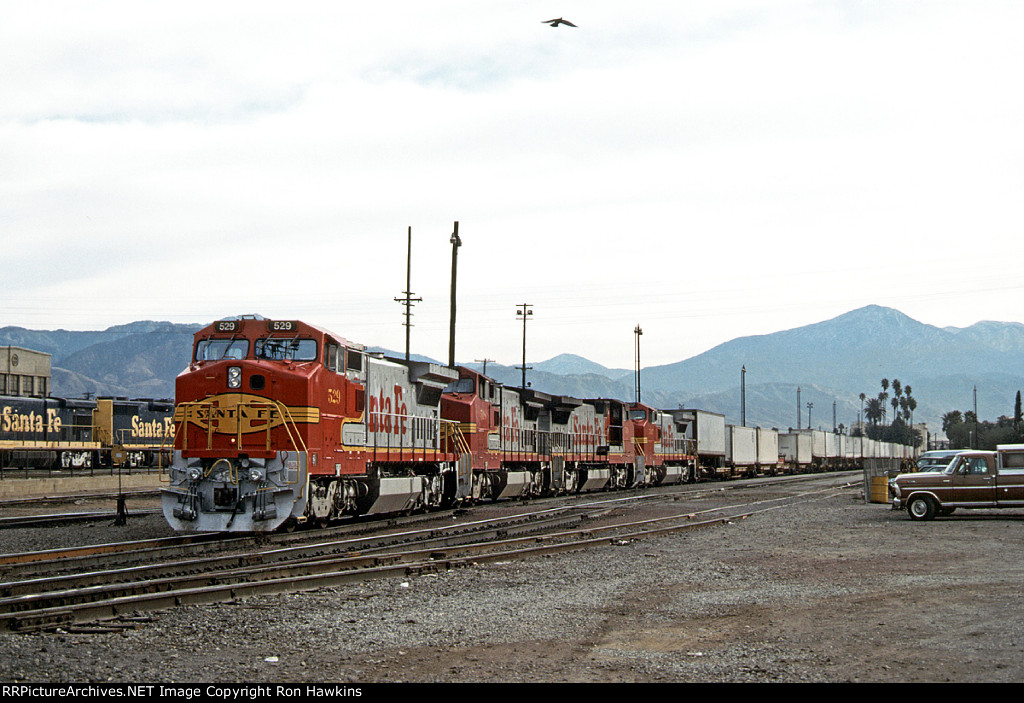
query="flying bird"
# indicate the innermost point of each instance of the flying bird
(555, 23)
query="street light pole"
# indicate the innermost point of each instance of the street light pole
(743, 396)
(456, 243)
(525, 313)
(638, 332)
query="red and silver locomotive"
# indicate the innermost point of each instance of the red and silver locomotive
(279, 422)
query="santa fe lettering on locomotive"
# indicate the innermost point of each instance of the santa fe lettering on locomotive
(32, 422)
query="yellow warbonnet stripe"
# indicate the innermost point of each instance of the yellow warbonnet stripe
(234, 412)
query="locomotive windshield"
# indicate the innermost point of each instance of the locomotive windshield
(463, 385)
(217, 349)
(292, 349)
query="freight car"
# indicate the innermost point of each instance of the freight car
(67, 433)
(706, 431)
(741, 450)
(769, 461)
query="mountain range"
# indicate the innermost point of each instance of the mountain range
(831, 362)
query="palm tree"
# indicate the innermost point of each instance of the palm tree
(953, 417)
(873, 411)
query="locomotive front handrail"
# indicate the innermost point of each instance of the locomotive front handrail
(453, 434)
(183, 415)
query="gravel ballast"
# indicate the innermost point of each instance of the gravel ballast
(828, 590)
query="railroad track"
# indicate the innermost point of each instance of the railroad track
(66, 601)
(55, 519)
(66, 517)
(106, 556)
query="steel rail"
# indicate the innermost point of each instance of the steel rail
(72, 586)
(327, 572)
(101, 556)
(20, 521)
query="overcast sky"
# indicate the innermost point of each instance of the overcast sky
(703, 169)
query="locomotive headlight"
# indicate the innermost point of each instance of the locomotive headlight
(256, 475)
(195, 474)
(234, 377)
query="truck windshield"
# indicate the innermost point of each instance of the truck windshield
(932, 464)
(217, 349)
(291, 348)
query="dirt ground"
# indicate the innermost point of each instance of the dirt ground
(833, 590)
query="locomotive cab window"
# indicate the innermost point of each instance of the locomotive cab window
(353, 360)
(286, 349)
(332, 357)
(463, 385)
(217, 349)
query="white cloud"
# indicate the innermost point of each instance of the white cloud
(705, 169)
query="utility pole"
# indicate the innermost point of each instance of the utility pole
(799, 409)
(525, 313)
(743, 396)
(408, 300)
(638, 332)
(809, 406)
(974, 444)
(456, 243)
(834, 426)
(484, 361)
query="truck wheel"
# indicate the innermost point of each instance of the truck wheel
(921, 508)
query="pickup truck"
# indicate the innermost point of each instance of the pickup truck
(973, 479)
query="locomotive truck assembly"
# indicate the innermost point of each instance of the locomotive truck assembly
(281, 423)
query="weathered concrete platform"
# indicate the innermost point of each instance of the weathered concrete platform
(43, 487)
